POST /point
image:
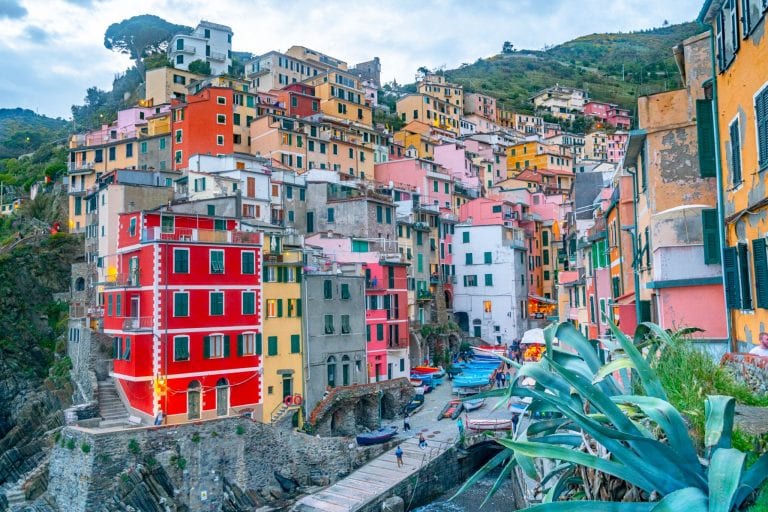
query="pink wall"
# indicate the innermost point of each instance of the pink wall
(408, 173)
(694, 306)
(454, 159)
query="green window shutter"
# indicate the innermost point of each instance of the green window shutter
(379, 331)
(239, 344)
(545, 238)
(731, 275)
(279, 308)
(760, 260)
(744, 282)
(761, 115)
(264, 274)
(488, 279)
(206, 347)
(272, 346)
(368, 333)
(706, 138)
(295, 344)
(298, 307)
(258, 344)
(298, 274)
(465, 237)
(645, 311)
(735, 153)
(488, 258)
(711, 235)
(279, 271)
(227, 343)
(468, 258)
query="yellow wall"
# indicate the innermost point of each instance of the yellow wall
(736, 89)
(441, 114)
(283, 328)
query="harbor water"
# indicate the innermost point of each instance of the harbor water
(470, 500)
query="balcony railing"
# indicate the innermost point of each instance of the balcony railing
(424, 295)
(139, 323)
(218, 56)
(186, 49)
(122, 280)
(201, 235)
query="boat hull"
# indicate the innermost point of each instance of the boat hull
(487, 424)
(376, 437)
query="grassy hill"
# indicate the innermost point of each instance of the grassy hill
(22, 131)
(592, 62)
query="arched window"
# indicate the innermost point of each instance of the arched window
(331, 367)
(345, 364)
(222, 397)
(79, 284)
(193, 400)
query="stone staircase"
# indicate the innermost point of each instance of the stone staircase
(111, 408)
(281, 413)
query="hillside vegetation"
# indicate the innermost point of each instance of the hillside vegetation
(592, 62)
(22, 131)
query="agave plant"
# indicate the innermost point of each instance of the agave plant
(603, 442)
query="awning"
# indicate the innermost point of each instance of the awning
(536, 298)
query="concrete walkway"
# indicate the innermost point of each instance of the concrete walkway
(382, 473)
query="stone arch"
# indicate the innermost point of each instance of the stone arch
(80, 284)
(389, 405)
(448, 299)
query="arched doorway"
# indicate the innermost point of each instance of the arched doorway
(330, 365)
(448, 304)
(79, 284)
(193, 400)
(345, 363)
(222, 397)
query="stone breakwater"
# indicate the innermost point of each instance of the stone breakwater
(226, 464)
(749, 369)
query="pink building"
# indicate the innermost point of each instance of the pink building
(480, 104)
(423, 176)
(129, 124)
(386, 302)
(609, 113)
(454, 158)
(495, 161)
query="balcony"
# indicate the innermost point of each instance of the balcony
(201, 235)
(122, 280)
(139, 323)
(375, 284)
(217, 56)
(190, 50)
(424, 295)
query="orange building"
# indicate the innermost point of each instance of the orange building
(202, 125)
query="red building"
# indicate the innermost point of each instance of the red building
(299, 100)
(386, 320)
(609, 113)
(202, 125)
(183, 307)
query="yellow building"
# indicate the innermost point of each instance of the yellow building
(432, 111)
(535, 155)
(740, 157)
(166, 84)
(435, 86)
(341, 96)
(283, 343)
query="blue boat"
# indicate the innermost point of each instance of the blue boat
(377, 436)
(471, 382)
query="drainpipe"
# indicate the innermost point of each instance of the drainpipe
(719, 177)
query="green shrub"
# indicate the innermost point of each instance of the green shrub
(85, 447)
(70, 444)
(195, 437)
(133, 447)
(240, 430)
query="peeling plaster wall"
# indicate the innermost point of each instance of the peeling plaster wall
(736, 89)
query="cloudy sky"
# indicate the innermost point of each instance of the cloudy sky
(52, 50)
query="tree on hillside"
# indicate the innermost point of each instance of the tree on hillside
(507, 47)
(141, 35)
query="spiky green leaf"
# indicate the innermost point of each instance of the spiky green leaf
(725, 469)
(690, 499)
(752, 479)
(648, 377)
(718, 411)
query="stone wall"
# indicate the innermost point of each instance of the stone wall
(226, 464)
(749, 369)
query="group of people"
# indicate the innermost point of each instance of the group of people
(502, 377)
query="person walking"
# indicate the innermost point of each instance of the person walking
(509, 378)
(503, 378)
(406, 423)
(422, 441)
(498, 379)
(399, 455)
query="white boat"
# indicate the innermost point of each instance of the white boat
(488, 424)
(471, 405)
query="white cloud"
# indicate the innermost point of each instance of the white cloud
(403, 34)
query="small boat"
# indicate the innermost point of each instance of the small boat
(416, 382)
(451, 410)
(471, 405)
(416, 403)
(471, 381)
(488, 424)
(423, 377)
(425, 369)
(377, 436)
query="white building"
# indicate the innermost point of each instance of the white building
(249, 176)
(209, 42)
(491, 292)
(561, 102)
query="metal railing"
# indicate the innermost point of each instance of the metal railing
(122, 280)
(201, 235)
(139, 323)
